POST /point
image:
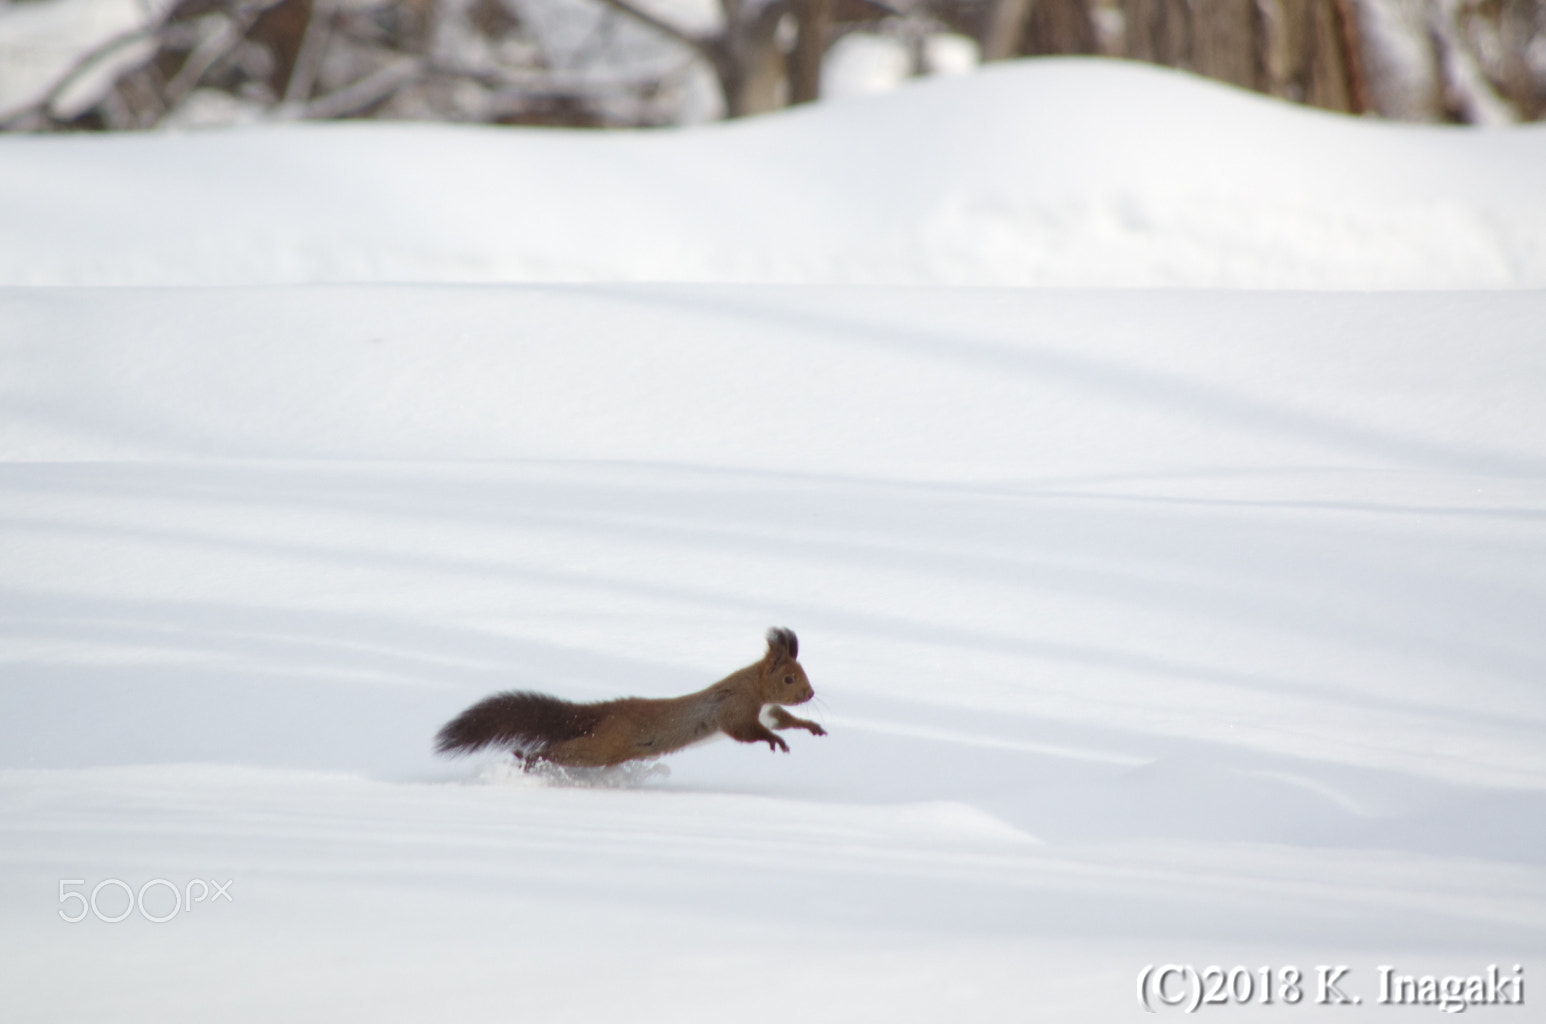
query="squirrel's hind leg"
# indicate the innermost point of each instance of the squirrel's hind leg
(601, 749)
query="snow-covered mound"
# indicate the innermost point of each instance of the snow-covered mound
(1049, 172)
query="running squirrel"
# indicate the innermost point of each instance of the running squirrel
(540, 728)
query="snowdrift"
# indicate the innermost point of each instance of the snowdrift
(1051, 172)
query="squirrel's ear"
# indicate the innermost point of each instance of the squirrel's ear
(782, 645)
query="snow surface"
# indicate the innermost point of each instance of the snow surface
(1159, 626)
(1059, 172)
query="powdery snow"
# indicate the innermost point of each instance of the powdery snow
(1057, 172)
(1150, 627)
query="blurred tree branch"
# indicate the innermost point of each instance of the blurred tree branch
(203, 61)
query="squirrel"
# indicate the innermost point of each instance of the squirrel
(541, 728)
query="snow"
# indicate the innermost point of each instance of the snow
(864, 64)
(1167, 626)
(1150, 178)
(41, 42)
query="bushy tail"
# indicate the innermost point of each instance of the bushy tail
(525, 722)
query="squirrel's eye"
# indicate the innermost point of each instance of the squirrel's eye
(789, 680)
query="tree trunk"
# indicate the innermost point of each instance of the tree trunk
(747, 59)
(810, 45)
(1003, 28)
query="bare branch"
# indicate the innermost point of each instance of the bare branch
(362, 93)
(700, 44)
(160, 31)
(75, 71)
(206, 55)
(303, 76)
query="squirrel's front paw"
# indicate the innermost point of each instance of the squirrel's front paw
(776, 743)
(816, 730)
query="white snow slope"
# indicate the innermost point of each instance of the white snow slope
(1194, 626)
(1062, 172)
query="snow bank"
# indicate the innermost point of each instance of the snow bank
(1049, 172)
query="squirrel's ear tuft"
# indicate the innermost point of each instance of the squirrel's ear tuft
(782, 644)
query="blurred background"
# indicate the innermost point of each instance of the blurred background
(139, 64)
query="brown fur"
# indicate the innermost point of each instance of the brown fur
(537, 727)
